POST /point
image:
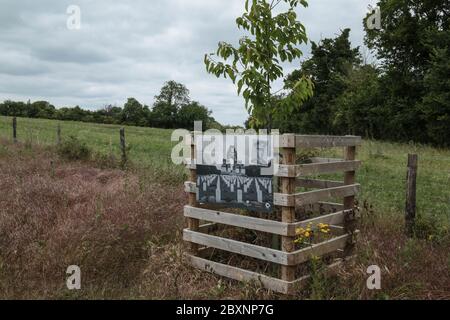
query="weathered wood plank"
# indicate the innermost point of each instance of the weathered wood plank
(286, 171)
(302, 141)
(288, 213)
(324, 160)
(310, 197)
(349, 199)
(323, 207)
(238, 247)
(327, 167)
(337, 230)
(321, 184)
(123, 147)
(193, 224)
(270, 283)
(287, 141)
(329, 206)
(318, 249)
(239, 274)
(284, 200)
(316, 168)
(237, 220)
(336, 218)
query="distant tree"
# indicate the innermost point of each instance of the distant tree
(191, 112)
(133, 113)
(41, 109)
(173, 94)
(13, 108)
(167, 104)
(172, 108)
(256, 63)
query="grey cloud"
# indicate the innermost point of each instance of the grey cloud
(131, 48)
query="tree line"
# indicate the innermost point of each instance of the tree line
(403, 96)
(172, 108)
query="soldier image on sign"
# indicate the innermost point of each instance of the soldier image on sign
(234, 184)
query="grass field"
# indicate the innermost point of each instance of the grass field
(123, 228)
(382, 174)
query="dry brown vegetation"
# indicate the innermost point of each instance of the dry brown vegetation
(123, 229)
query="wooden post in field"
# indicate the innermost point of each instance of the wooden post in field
(123, 147)
(14, 124)
(193, 224)
(349, 202)
(288, 212)
(411, 184)
(58, 135)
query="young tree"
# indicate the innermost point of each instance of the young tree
(332, 61)
(256, 63)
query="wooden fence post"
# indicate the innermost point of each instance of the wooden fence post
(14, 124)
(58, 135)
(288, 212)
(349, 203)
(123, 147)
(193, 224)
(411, 184)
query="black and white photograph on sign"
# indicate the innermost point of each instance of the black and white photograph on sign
(233, 183)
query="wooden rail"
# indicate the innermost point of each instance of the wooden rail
(341, 218)
(293, 171)
(236, 220)
(302, 141)
(267, 254)
(321, 184)
(246, 249)
(310, 197)
(274, 284)
(258, 224)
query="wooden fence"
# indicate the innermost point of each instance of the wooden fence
(291, 206)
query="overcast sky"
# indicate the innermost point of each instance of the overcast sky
(130, 48)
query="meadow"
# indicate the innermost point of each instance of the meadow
(123, 227)
(382, 174)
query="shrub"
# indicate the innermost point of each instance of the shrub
(74, 149)
(431, 228)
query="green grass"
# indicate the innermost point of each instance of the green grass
(382, 174)
(149, 147)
